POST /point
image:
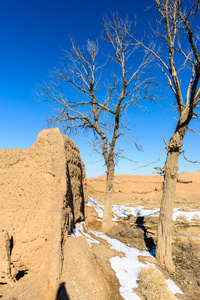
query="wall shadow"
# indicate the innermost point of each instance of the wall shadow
(82, 192)
(148, 240)
(11, 245)
(70, 197)
(62, 293)
(69, 200)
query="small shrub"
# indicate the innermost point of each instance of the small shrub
(184, 199)
(182, 219)
(183, 208)
(196, 218)
(151, 220)
(153, 285)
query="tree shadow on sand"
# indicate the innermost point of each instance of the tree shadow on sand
(62, 293)
(148, 240)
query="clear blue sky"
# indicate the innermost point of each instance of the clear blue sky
(31, 34)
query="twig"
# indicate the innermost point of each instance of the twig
(194, 162)
(183, 181)
(153, 161)
(193, 131)
(165, 142)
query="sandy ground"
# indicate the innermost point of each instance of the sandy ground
(88, 272)
(139, 232)
(147, 190)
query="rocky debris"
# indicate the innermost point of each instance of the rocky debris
(42, 196)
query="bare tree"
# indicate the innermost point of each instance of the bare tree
(102, 94)
(178, 57)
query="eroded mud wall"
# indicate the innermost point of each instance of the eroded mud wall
(41, 198)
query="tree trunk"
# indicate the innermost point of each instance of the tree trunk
(107, 215)
(164, 234)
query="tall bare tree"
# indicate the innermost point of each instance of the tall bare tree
(178, 57)
(105, 86)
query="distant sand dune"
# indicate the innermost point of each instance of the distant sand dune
(148, 189)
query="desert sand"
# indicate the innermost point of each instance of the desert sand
(147, 190)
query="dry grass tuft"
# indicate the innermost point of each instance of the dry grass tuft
(125, 231)
(153, 285)
(182, 219)
(184, 200)
(196, 218)
(151, 220)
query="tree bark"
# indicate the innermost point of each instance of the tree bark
(164, 235)
(170, 170)
(107, 216)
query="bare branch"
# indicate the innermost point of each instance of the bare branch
(169, 80)
(193, 131)
(153, 162)
(151, 49)
(165, 142)
(183, 181)
(190, 87)
(187, 27)
(95, 104)
(94, 162)
(193, 162)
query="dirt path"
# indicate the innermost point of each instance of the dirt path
(87, 273)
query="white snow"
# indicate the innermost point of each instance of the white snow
(125, 211)
(79, 232)
(174, 289)
(122, 211)
(99, 209)
(189, 215)
(127, 268)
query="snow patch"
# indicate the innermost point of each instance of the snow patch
(127, 268)
(174, 289)
(99, 209)
(189, 215)
(122, 211)
(79, 232)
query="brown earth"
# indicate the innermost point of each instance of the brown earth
(147, 190)
(87, 272)
(142, 235)
(134, 190)
(41, 198)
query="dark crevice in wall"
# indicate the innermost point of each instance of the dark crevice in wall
(82, 192)
(11, 245)
(67, 214)
(70, 199)
(62, 293)
(21, 274)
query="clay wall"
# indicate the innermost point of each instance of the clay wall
(41, 198)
